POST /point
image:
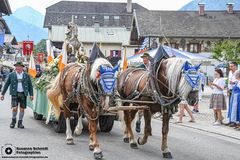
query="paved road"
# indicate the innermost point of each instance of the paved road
(185, 143)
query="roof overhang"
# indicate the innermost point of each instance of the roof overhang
(7, 30)
(5, 7)
(8, 38)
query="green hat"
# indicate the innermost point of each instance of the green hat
(19, 64)
(145, 55)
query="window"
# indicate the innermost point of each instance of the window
(106, 20)
(115, 53)
(106, 17)
(194, 47)
(116, 18)
(174, 45)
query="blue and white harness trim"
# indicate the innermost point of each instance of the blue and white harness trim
(108, 78)
(191, 74)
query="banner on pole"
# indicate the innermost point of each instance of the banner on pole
(40, 57)
(27, 47)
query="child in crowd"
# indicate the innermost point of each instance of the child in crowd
(218, 101)
(184, 106)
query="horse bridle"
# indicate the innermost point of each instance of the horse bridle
(169, 99)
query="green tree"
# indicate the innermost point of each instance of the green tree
(40, 47)
(227, 50)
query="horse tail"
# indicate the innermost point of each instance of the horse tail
(54, 93)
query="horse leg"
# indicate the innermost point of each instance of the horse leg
(147, 127)
(91, 114)
(128, 120)
(79, 126)
(67, 114)
(125, 133)
(125, 136)
(165, 128)
(94, 144)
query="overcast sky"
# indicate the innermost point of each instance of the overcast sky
(41, 5)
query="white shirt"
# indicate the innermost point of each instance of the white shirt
(231, 77)
(221, 83)
(20, 79)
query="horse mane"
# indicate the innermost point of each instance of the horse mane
(96, 65)
(174, 73)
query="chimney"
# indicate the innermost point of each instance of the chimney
(129, 6)
(230, 7)
(201, 9)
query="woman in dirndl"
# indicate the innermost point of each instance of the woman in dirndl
(234, 105)
(218, 101)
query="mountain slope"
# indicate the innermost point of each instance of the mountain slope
(29, 15)
(211, 5)
(21, 30)
(26, 22)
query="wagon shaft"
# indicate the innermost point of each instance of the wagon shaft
(119, 108)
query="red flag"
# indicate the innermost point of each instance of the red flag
(27, 47)
(40, 57)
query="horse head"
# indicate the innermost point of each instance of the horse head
(104, 77)
(184, 80)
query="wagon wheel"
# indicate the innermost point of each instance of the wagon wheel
(37, 116)
(60, 124)
(106, 123)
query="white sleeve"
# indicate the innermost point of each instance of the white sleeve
(222, 83)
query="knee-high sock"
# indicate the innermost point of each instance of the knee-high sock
(21, 114)
(14, 115)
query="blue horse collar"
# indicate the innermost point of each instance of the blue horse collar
(108, 78)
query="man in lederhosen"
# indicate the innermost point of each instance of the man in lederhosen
(20, 86)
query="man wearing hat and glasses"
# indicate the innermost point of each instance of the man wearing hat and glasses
(20, 86)
(146, 61)
(145, 65)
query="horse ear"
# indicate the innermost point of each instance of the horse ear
(186, 66)
(197, 67)
(101, 69)
(116, 68)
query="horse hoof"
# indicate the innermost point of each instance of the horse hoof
(126, 140)
(139, 141)
(134, 146)
(167, 155)
(70, 142)
(98, 156)
(91, 147)
(77, 132)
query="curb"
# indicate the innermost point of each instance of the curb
(205, 130)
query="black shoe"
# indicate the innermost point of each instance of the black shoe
(12, 125)
(227, 124)
(138, 128)
(20, 125)
(233, 125)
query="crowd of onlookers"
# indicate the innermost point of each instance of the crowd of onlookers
(218, 99)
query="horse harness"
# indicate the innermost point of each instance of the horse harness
(81, 85)
(152, 89)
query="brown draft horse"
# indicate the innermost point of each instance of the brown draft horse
(75, 78)
(171, 83)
